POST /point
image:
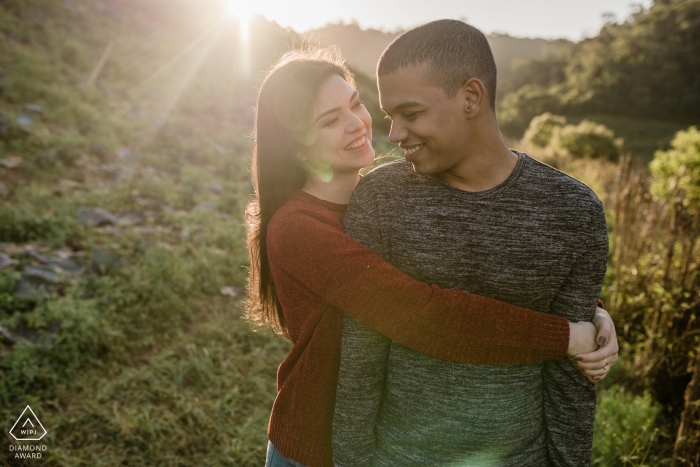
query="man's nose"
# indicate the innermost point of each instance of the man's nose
(397, 133)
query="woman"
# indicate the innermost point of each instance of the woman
(313, 136)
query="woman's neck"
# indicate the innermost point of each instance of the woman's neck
(338, 190)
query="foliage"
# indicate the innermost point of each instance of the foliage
(625, 429)
(641, 137)
(518, 108)
(542, 128)
(653, 286)
(23, 224)
(679, 168)
(544, 70)
(587, 139)
(645, 67)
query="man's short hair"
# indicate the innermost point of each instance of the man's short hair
(455, 52)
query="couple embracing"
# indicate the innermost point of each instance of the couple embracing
(431, 304)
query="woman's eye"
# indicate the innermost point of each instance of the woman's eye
(329, 123)
(358, 103)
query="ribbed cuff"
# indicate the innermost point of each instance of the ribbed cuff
(551, 338)
(308, 452)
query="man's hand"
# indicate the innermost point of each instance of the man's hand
(596, 364)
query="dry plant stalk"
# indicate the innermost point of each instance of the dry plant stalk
(654, 290)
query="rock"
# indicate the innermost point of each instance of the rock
(104, 262)
(215, 187)
(11, 248)
(4, 191)
(33, 108)
(128, 156)
(7, 261)
(69, 183)
(64, 266)
(6, 337)
(68, 155)
(230, 291)
(95, 217)
(11, 162)
(34, 335)
(111, 172)
(25, 122)
(145, 230)
(110, 229)
(4, 126)
(47, 159)
(133, 218)
(207, 206)
(141, 246)
(38, 282)
(99, 150)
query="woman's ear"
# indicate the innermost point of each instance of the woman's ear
(474, 95)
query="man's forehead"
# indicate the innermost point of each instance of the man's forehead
(405, 88)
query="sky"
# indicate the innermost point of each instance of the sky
(550, 19)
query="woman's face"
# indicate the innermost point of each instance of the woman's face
(341, 131)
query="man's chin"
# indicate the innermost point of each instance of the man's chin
(421, 168)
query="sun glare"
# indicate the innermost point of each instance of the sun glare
(242, 10)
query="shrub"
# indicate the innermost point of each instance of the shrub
(587, 139)
(518, 108)
(624, 429)
(23, 224)
(542, 128)
(685, 151)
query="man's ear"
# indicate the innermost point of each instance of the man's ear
(474, 96)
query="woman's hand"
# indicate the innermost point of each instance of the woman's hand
(594, 364)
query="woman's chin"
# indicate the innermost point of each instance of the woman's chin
(367, 158)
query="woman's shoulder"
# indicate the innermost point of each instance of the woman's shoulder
(300, 215)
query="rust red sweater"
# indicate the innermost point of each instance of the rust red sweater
(319, 271)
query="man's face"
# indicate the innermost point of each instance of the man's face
(430, 127)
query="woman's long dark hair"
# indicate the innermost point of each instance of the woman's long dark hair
(283, 113)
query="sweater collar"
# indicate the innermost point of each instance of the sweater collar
(311, 199)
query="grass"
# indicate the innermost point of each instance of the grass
(204, 399)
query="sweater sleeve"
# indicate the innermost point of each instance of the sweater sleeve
(442, 323)
(569, 398)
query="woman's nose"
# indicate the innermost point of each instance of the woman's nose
(354, 123)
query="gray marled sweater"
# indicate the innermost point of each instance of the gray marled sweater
(538, 240)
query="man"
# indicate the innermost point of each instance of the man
(463, 211)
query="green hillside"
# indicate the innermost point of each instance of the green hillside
(639, 76)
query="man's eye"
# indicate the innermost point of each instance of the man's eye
(329, 123)
(410, 116)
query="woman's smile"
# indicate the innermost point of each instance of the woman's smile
(356, 143)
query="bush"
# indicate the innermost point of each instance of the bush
(23, 224)
(542, 128)
(518, 108)
(624, 429)
(589, 140)
(685, 151)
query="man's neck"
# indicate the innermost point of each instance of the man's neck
(338, 190)
(487, 164)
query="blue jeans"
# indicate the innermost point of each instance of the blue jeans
(275, 459)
